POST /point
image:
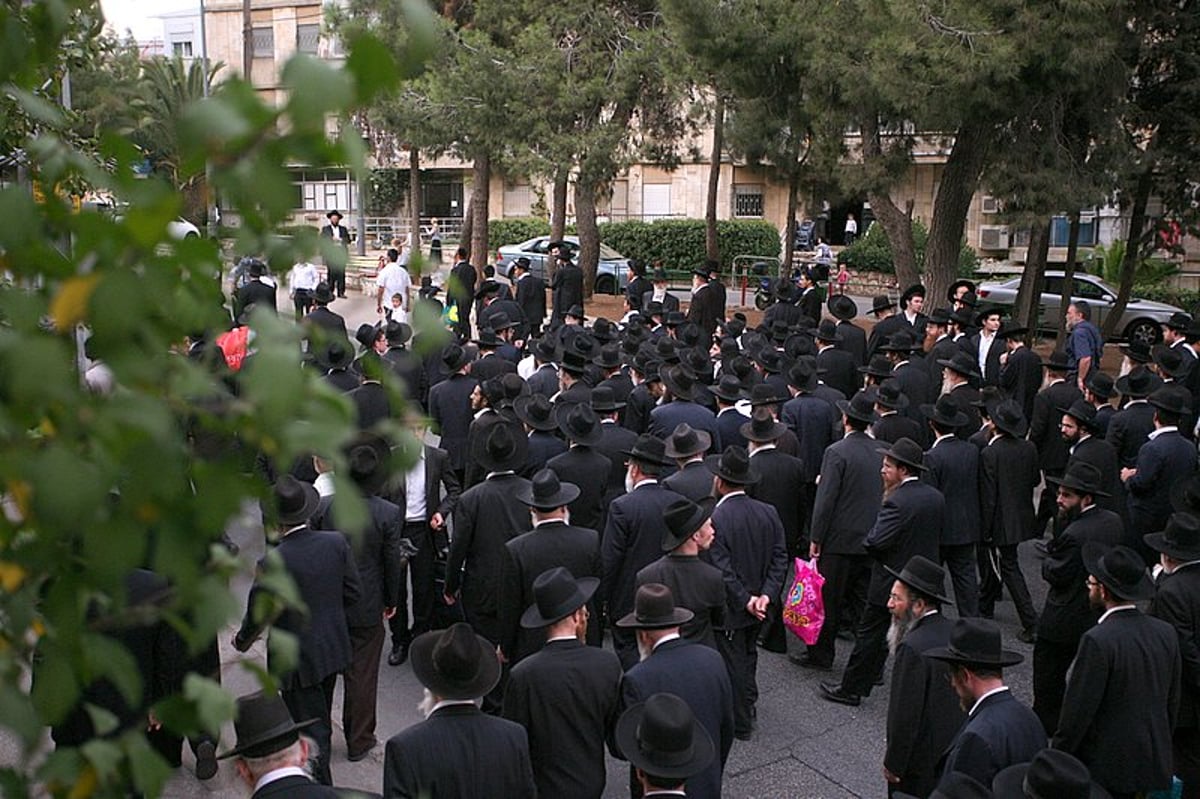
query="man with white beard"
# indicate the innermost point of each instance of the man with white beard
(923, 711)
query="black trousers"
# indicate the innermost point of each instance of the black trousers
(315, 702)
(740, 649)
(1051, 662)
(1047, 508)
(1186, 746)
(960, 560)
(360, 684)
(914, 785)
(337, 279)
(846, 581)
(421, 569)
(303, 302)
(870, 651)
(1011, 578)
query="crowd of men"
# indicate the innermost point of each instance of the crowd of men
(654, 478)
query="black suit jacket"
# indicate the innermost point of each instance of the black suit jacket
(942, 350)
(438, 476)
(615, 440)
(1177, 602)
(527, 556)
(566, 697)
(461, 288)
(706, 309)
(952, 467)
(588, 469)
(297, 787)
(342, 237)
(543, 446)
(810, 304)
(749, 550)
(567, 289)
(781, 485)
(634, 291)
(913, 378)
(854, 341)
(1099, 453)
(1008, 474)
(531, 296)
(1021, 378)
(848, 495)
(493, 365)
(632, 540)
(1121, 700)
(458, 753)
(963, 395)
(322, 321)
(695, 585)
(544, 381)
(1002, 732)
(377, 556)
(909, 523)
(841, 370)
(1128, 429)
(991, 371)
(894, 426)
(1067, 614)
(1044, 424)
(256, 293)
(1162, 461)
(729, 426)
(923, 711)
(450, 409)
(883, 330)
(693, 481)
(669, 302)
(816, 424)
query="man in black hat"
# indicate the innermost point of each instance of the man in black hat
(687, 447)
(1131, 426)
(647, 390)
(680, 405)
(566, 695)
(334, 360)
(693, 672)
(952, 467)
(1177, 602)
(1099, 391)
(637, 284)
(257, 291)
(782, 482)
(537, 415)
(912, 376)
(1050, 773)
(1174, 335)
(955, 378)
(457, 750)
(986, 346)
(531, 295)
(937, 327)
(1020, 367)
(665, 745)
(1067, 614)
(633, 534)
(544, 380)
(614, 438)
(707, 307)
(1045, 424)
(912, 304)
(749, 550)
(487, 399)
(1165, 459)
(489, 364)
(271, 754)
(324, 646)
(814, 421)
(566, 288)
(1008, 475)
(450, 407)
(1000, 731)
(887, 323)
(659, 293)
(923, 711)
(909, 523)
(846, 504)
(890, 426)
(322, 322)
(730, 395)
(854, 338)
(1123, 692)
(1078, 428)
(335, 264)
(839, 366)
(404, 363)
(552, 541)
(810, 300)
(582, 465)
(504, 316)
(460, 291)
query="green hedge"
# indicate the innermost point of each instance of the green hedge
(502, 232)
(873, 252)
(1187, 299)
(679, 243)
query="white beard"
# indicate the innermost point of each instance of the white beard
(644, 650)
(425, 706)
(948, 385)
(628, 483)
(896, 632)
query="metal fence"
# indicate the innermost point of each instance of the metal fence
(382, 229)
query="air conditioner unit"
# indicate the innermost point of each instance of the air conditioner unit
(993, 237)
(990, 205)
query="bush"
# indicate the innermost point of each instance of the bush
(873, 252)
(1187, 299)
(679, 243)
(502, 232)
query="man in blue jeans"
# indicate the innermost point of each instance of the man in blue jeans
(1085, 345)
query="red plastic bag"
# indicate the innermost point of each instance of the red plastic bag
(804, 609)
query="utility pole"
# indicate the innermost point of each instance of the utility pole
(247, 42)
(210, 202)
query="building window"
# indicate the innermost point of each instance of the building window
(182, 49)
(308, 38)
(1060, 231)
(263, 42)
(748, 200)
(518, 199)
(321, 190)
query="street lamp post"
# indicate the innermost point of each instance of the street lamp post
(210, 214)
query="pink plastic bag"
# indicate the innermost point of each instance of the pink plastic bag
(804, 610)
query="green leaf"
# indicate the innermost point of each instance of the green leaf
(104, 721)
(54, 687)
(315, 89)
(373, 66)
(150, 770)
(283, 651)
(110, 659)
(105, 756)
(214, 705)
(19, 714)
(36, 107)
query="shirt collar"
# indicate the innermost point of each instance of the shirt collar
(1114, 609)
(544, 522)
(490, 475)
(279, 774)
(761, 448)
(1170, 428)
(664, 639)
(979, 701)
(644, 481)
(561, 638)
(324, 484)
(941, 438)
(738, 493)
(450, 703)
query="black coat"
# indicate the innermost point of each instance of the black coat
(817, 424)
(991, 370)
(1008, 474)
(1128, 429)
(442, 488)
(1099, 453)
(1002, 732)
(729, 426)
(665, 418)
(458, 753)
(952, 467)
(638, 409)
(1044, 429)
(810, 304)
(614, 441)
(909, 523)
(322, 566)
(1067, 614)
(407, 367)
(942, 350)
(377, 556)
(450, 410)
(371, 404)
(566, 697)
(634, 291)
(632, 540)
(460, 288)
(531, 297)
(841, 370)
(749, 550)
(923, 711)
(567, 289)
(884, 329)
(854, 341)
(694, 481)
(491, 365)
(326, 321)
(525, 557)
(695, 585)
(544, 381)
(1121, 701)
(669, 302)
(256, 293)
(963, 395)
(1161, 462)
(543, 446)
(1177, 602)
(481, 423)
(707, 308)
(848, 496)
(913, 378)
(894, 426)
(781, 485)
(297, 787)
(588, 469)
(1021, 378)
(697, 675)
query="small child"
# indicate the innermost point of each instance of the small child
(843, 278)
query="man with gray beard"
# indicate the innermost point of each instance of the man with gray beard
(923, 711)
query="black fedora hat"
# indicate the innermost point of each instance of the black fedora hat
(579, 423)
(1178, 321)
(915, 290)
(764, 394)
(842, 307)
(733, 466)
(1100, 384)
(1139, 382)
(609, 357)
(879, 367)
(1180, 540)
(697, 363)
(958, 284)
(907, 452)
(683, 517)
(729, 388)
(1080, 477)
(890, 395)
(604, 400)
(455, 357)
(1168, 360)
(648, 449)
(1052, 772)
(1119, 569)
(881, 302)
(945, 412)
(573, 363)
(368, 458)
(1173, 399)
(546, 349)
(1007, 417)
(536, 411)
(1083, 412)
(666, 349)
(733, 327)
(264, 726)
(901, 341)
(826, 331)
(604, 330)
(654, 609)
(323, 294)
(975, 642)
(770, 360)
(294, 501)
(659, 275)
(1010, 329)
(939, 317)
(861, 406)
(662, 737)
(522, 263)
(545, 492)
(486, 289)
(557, 594)
(1137, 351)
(962, 317)
(686, 441)
(575, 311)
(960, 362)
(455, 663)
(924, 575)
(762, 427)
(679, 382)
(333, 213)
(803, 375)
(488, 339)
(989, 398)
(338, 353)
(397, 333)
(367, 334)
(1058, 361)
(674, 318)
(779, 331)
(500, 450)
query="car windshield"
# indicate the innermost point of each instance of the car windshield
(609, 254)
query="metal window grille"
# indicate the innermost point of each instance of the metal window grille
(748, 201)
(308, 37)
(263, 42)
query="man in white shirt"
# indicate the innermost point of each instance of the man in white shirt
(302, 280)
(393, 280)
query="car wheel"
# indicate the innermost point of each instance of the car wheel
(605, 284)
(191, 235)
(1146, 331)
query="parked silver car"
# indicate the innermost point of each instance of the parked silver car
(1142, 319)
(612, 273)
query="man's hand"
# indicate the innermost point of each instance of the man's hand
(388, 613)
(757, 606)
(1126, 474)
(448, 599)
(500, 655)
(379, 308)
(437, 522)
(889, 776)
(814, 550)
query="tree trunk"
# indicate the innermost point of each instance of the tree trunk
(247, 42)
(468, 226)
(414, 211)
(1060, 328)
(589, 234)
(789, 229)
(558, 213)
(481, 175)
(1029, 296)
(712, 248)
(897, 224)
(1133, 249)
(955, 190)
